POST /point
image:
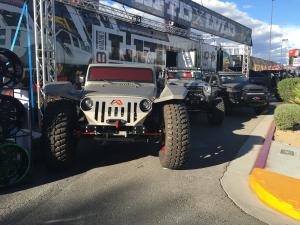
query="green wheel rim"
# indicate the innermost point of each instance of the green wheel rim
(14, 164)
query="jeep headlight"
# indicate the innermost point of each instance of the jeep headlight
(207, 90)
(145, 105)
(86, 104)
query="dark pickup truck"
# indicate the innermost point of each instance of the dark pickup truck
(241, 92)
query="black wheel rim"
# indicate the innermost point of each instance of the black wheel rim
(14, 164)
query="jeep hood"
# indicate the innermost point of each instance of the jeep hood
(188, 83)
(245, 86)
(147, 91)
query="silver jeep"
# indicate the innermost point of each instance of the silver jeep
(118, 103)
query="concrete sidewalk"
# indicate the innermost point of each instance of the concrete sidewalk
(235, 181)
(277, 184)
(284, 159)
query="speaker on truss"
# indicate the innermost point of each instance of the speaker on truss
(136, 20)
(170, 23)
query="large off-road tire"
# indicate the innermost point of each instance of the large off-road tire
(59, 125)
(175, 146)
(216, 113)
(229, 107)
(260, 109)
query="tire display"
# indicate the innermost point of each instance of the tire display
(14, 159)
(12, 114)
(11, 68)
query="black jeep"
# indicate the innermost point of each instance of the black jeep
(240, 92)
(204, 92)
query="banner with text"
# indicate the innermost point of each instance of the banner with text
(189, 14)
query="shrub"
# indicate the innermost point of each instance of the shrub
(297, 94)
(286, 89)
(287, 116)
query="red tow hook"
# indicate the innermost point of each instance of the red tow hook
(117, 124)
(163, 149)
(88, 133)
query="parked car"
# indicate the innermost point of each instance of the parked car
(268, 79)
(118, 103)
(240, 92)
(204, 92)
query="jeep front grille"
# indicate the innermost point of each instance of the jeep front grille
(196, 92)
(105, 112)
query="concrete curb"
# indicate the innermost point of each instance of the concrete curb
(281, 193)
(235, 181)
(262, 158)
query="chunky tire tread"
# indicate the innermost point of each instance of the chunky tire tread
(58, 134)
(216, 114)
(177, 137)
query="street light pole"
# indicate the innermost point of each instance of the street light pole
(283, 40)
(271, 27)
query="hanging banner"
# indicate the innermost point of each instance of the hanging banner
(189, 14)
(209, 55)
(14, 2)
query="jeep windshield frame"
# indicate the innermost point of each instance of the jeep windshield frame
(120, 74)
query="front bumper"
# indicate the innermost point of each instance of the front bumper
(256, 99)
(252, 99)
(120, 134)
(197, 100)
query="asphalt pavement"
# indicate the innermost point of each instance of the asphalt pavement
(125, 184)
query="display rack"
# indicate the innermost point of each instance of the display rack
(15, 134)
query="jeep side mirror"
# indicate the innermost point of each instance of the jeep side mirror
(81, 79)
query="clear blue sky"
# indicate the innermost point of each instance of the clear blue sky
(286, 12)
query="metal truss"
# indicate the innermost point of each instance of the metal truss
(96, 7)
(246, 61)
(45, 40)
(45, 45)
(44, 27)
